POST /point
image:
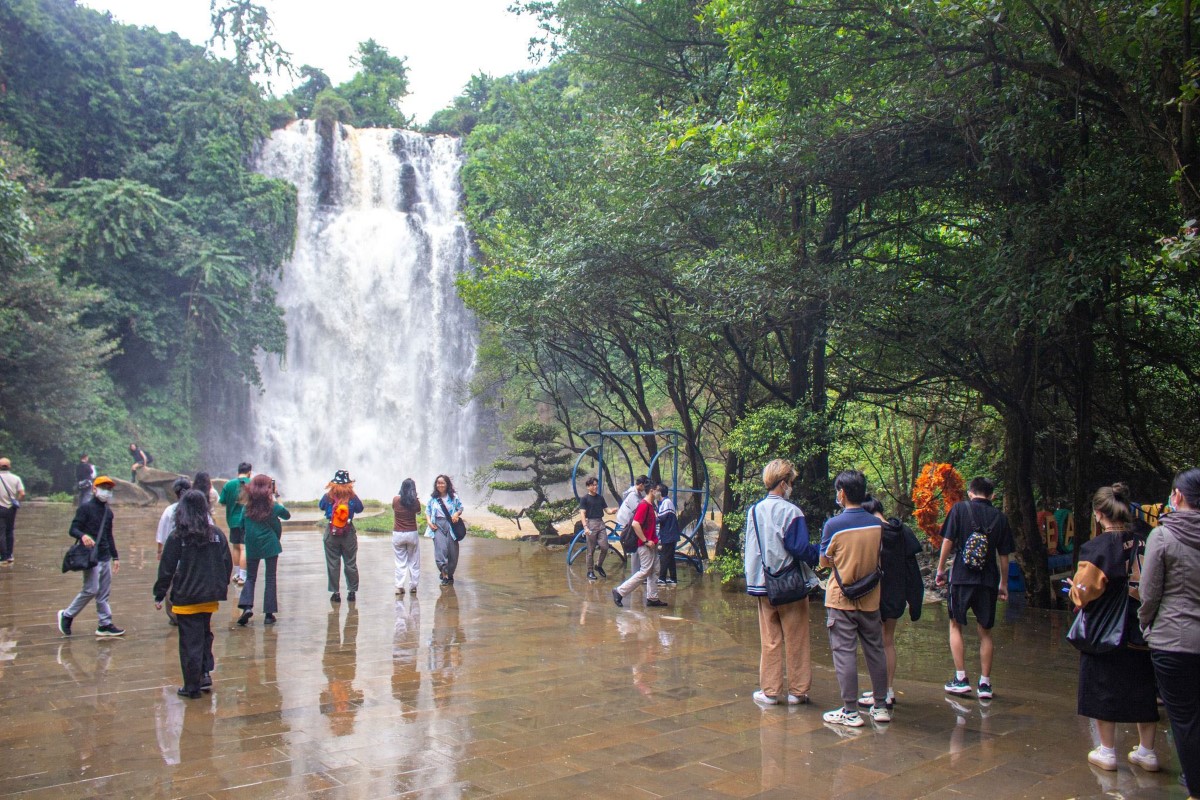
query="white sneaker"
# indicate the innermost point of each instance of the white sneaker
(881, 714)
(1102, 760)
(797, 699)
(765, 699)
(839, 716)
(1148, 762)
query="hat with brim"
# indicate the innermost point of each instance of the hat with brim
(104, 480)
(341, 476)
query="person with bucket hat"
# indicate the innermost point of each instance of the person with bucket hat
(340, 504)
(93, 527)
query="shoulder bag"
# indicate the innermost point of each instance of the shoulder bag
(1104, 624)
(862, 587)
(459, 528)
(79, 557)
(794, 582)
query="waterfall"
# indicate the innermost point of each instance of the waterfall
(380, 347)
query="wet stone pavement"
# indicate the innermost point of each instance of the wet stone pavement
(520, 681)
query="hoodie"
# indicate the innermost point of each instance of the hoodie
(1170, 585)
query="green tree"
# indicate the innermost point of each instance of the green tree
(375, 91)
(538, 453)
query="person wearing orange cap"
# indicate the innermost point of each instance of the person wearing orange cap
(12, 492)
(93, 526)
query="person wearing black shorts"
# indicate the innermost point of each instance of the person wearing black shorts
(975, 590)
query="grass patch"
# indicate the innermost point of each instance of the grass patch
(60, 497)
(481, 533)
(372, 504)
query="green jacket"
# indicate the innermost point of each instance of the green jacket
(262, 538)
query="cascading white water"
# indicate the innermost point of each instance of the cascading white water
(380, 347)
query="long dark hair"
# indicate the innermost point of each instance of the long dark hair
(408, 494)
(449, 486)
(191, 517)
(202, 483)
(258, 498)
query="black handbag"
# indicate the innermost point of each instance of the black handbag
(1103, 625)
(79, 557)
(1100, 626)
(457, 527)
(794, 582)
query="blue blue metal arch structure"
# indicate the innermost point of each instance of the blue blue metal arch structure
(692, 548)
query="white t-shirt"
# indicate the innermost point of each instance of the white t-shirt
(11, 490)
(166, 524)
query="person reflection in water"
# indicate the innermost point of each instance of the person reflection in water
(406, 643)
(445, 647)
(340, 701)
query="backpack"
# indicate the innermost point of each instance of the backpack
(975, 546)
(339, 518)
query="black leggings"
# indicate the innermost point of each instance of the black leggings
(666, 561)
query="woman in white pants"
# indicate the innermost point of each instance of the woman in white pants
(406, 542)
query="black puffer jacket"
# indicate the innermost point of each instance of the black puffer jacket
(902, 584)
(194, 574)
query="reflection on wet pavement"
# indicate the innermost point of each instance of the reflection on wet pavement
(521, 680)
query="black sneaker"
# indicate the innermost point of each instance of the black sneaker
(600, 571)
(189, 693)
(206, 683)
(657, 603)
(64, 623)
(110, 630)
(444, 581)
(591, 576)
(617, 599)
(245, 617)
(350, 597)
(985, 691)
(335, 598)
(269, 619)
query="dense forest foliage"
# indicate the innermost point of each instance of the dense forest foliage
(138, 247)
(856, 235)
(141, 248)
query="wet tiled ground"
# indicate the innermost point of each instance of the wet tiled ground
(521, 681)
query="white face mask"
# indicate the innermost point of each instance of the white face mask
(104, 495)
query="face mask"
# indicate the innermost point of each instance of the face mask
(104, 495)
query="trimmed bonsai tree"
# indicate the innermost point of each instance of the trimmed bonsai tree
(537, 453)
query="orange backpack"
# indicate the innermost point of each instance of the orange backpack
(339, 518)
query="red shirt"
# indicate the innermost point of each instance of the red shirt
(647, 517)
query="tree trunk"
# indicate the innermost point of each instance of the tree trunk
(1019, 448)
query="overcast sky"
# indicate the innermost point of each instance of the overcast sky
(445, 41)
